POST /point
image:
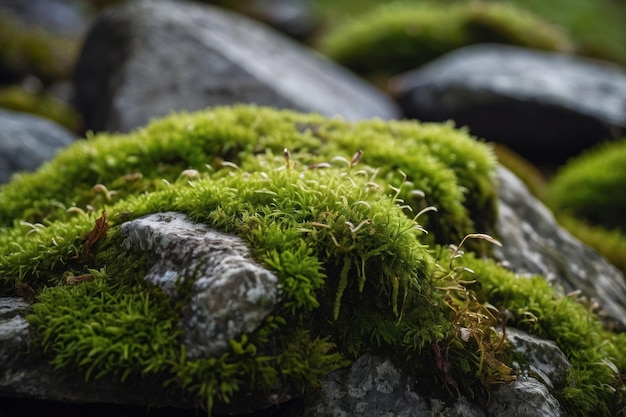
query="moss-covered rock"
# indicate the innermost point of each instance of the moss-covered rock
(336, 210)
(592, 186)
(400, 37)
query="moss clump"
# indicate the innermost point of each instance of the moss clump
(593, 186)
(28, 50)
(45, 105)
(432, 164)
(338, 227)
(400, 37)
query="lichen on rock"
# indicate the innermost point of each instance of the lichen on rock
(338, 212)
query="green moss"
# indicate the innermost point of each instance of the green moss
(44, 105)
(29, 50)
(592, 186)
(341, 229)
(399, 37)
(537, 308)
(452, 170)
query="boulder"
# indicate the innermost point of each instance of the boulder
(545, 106)
(534, 243)
(145, 59)
(26, 141)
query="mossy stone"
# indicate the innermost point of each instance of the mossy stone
(338, 211)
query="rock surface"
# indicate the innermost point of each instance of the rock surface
(534, 243)
(145, 59)
(545, 106)
(26, 141)
(231, 294)
(374, 386)
(545, 359)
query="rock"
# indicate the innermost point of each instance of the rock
(525, 397)
(26, 141)
(545, 359)
(533, 243)
(231, 294)
(528, 100)
(373, 386)
(145, 59)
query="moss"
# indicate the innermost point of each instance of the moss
(452, 170)
(334, 209)
(45, 105)
(597, 364)
(592, 186)
(29, 50)
(395, 38)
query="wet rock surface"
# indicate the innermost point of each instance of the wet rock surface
(533, 243)
(211, 57)
(528, 100)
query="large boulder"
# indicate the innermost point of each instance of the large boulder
(145, 59)
(545, 106)
(123, 244)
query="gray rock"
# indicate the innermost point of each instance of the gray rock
(231, 294)
(371, 386)
(534, 243)
(544, 359)
(145, 59)
(26, 141)
(525, 397)
(545, 106)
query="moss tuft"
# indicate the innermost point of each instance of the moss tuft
(592, 186)
(395, 38)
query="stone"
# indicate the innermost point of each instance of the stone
(534, 243)
(145, 59)
(525, 397)
(371, 386)
(231, 294)
(374, 386)
(528, 100)
(544, 359)
(26, 141)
